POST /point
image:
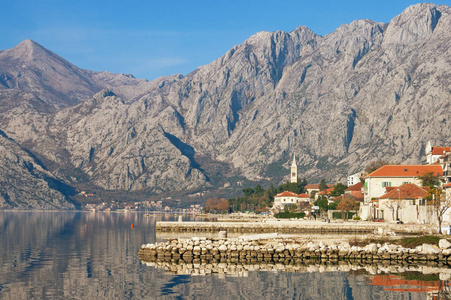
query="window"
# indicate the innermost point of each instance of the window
(406, 182)
(386, 183)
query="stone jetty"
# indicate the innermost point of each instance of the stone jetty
(288, 227)
(288, 250)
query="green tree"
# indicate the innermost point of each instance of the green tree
(258, 191)
(294, 187)
(339, 189)
(322, 185)
(429, 179)
(248, 192)
(333, 205)
(322, 203)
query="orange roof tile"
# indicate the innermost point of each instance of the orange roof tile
(291, 194)
(326, 192)
(303, 196)
(447, 185)
(314, 186)
(286, 194)
(440, 150)
(356, 187)
(406, 191)
(406, 170)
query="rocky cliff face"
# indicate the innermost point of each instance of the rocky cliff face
(366, 91)
(25, 183)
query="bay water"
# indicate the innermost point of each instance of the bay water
(94, 255)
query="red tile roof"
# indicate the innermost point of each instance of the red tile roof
(447, 185)
(406, 170)
(406, 191)
(303, 196)
(313, 186)
(286, 194)
(291, 194)
(440, 150)
(326, 192)
(356, 187)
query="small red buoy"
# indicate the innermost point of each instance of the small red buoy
(132, 226)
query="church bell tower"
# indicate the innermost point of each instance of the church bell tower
(294, 170)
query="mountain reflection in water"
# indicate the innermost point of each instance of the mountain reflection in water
(56, 255)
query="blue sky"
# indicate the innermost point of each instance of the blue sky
(151, 38)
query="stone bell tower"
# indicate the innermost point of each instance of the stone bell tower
(294, 171)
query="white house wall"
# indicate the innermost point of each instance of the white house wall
(374, 188)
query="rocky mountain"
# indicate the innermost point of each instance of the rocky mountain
(31, 68)
(26, 184)
(366, 91)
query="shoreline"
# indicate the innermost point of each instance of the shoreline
(288, 250)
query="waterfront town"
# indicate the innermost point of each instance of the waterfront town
(383, 192)
(418, 194)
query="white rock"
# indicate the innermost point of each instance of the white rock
(430, 249)
(222, 248)
(444, 244)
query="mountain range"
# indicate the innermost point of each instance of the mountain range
(364, 92)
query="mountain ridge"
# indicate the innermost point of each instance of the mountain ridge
(361, 93)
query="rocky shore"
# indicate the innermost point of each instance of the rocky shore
(288, 251)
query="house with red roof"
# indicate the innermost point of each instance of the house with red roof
(395, 175)
(405, 203)
(289, 198)
(377, 182)
(434, 153)
(312, 188)
(355, 191)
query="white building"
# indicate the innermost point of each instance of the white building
(405, 203)
(294, 171)
(447, 190)
(289, 198)
(395, 175)
(354, 179)
(434, 153)
(377, 182)
(408, 204)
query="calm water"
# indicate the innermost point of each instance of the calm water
(95, 256)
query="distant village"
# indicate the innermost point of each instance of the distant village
(145, 206)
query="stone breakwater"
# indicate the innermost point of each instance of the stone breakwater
(283, 249)
(287, 227)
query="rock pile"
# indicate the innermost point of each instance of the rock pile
(280, 250)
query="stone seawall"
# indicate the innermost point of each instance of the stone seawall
(287, 227)
(286, 250)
